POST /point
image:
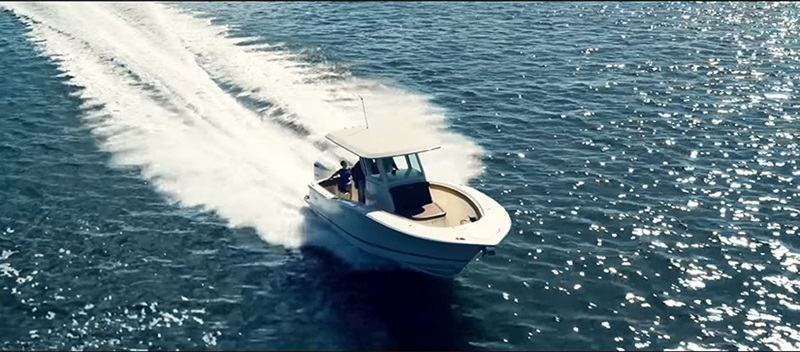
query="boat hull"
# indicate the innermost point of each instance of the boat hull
(441, 259)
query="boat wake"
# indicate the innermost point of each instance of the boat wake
(166, 92)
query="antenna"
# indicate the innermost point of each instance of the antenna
(363, 108)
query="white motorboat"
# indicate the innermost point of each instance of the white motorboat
(425, 225)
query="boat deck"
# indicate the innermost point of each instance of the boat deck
(458, 208)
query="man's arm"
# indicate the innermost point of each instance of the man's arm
(334, 174)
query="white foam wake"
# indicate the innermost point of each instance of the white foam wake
(155, 71)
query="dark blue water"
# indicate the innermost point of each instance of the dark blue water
(646, 151)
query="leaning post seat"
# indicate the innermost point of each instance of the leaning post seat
(414, 201)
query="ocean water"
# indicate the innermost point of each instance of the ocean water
(153, 159)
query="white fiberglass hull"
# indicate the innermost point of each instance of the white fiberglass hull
(445, 257)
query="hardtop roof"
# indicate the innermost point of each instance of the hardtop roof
(382, 142)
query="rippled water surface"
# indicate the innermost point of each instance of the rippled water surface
(153, 160)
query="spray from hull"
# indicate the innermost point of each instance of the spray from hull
(157, 73)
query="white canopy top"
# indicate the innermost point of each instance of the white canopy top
(376, 143)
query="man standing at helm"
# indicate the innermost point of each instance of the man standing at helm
(358, 179)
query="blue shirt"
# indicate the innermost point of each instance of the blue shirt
(344, 178)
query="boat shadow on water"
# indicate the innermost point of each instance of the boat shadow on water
(394, 309)
(384, 307)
